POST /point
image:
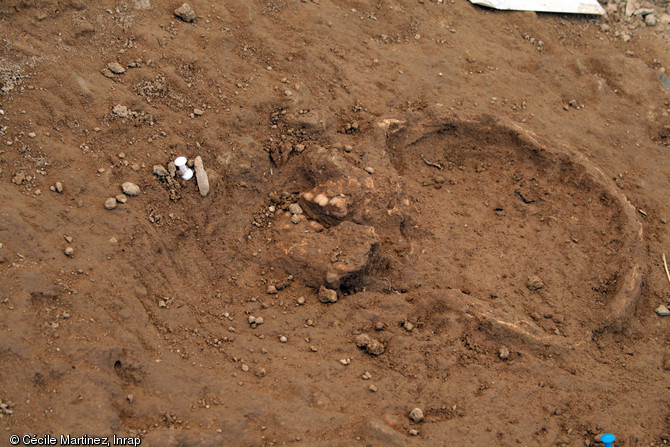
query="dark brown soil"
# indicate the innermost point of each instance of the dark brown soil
(500, 240)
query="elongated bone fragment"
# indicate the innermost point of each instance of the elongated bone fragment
(201, 177)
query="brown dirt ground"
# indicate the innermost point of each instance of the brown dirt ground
(520, 185)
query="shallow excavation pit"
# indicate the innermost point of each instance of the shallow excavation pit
(540, 243)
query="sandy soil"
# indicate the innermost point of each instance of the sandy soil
(484, 195)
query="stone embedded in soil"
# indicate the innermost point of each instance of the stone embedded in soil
(504, 353)
(160, 171)
(309, 255)
(534, 283)
(650, 20)
(201, 176)
(662, 311)
(116, 68)
(271, 290)
(327, 295)
(130, 189)
(110, 203)
(377, 432)
(185, 12)
(416, 415)
(121, 198)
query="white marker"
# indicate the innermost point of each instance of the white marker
(186, 172)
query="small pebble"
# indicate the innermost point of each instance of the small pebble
(32, 134)
(110, 203)
(296, 219)
(185, 12)
(294, 208)
(370, 170)
(245, 368)
(271, 290)
(650, 20)
(367, 375)
(130, 189)
(327, 295)
(121, 198)
(69, 252)
(414, 432)
(59, 187)
(301, 301)
(504, 353)
(662, 311)
(116, 68)
(416, 415)
(408, 326)
(283, 339)
(373, 388)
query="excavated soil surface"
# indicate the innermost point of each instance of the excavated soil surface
(412, 205)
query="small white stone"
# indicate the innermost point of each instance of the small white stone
(662, 311)
(283, 339)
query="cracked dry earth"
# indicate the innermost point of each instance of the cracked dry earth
(412, 205)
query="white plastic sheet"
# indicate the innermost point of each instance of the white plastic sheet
(561, 6)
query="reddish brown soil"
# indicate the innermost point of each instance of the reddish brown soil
(488, 177)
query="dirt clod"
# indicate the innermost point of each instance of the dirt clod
(534, 283)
